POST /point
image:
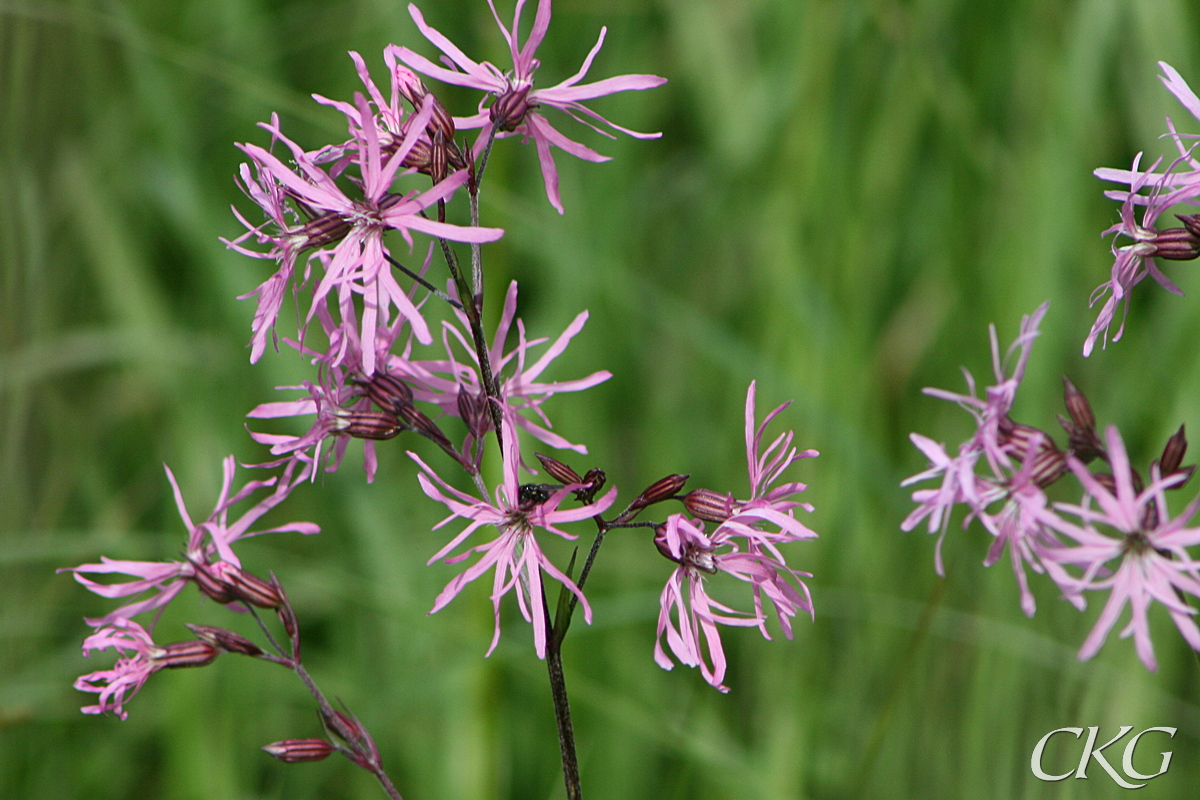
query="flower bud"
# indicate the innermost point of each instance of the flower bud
(558, 470)
(1173, 453)
(296, 750)
(1078, 406)
(195, 653)
(423, 425)
(412, 89)
(709, 505)
(226, 640)
(473, 408)
(662, 489)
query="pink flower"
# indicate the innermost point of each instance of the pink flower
(1154, 563)
(118, 685)
(769, 503)
(1016, 525)
(1135, 261)
(1173, 179)
(689, 619)
(140, 658)
(208, 540)
(441, 381)
(959, 481)
(359, 255)
(513, 109)
(515, 555)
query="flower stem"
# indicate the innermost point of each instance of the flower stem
(562, 706)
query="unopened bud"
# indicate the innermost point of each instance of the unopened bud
(1048, 466)
(423, 425)
(1078, 406)
(473, 408)
(195, 653)
(709, 505)
(296, 750)
(1191, 222)
(558, 470)
(1173, 453)
(413, 90)
(662, 489)
(226, 640)
(594, 479)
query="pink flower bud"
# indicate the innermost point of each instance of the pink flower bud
(296, 750)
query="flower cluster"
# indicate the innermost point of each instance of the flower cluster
(1010, 501)
(209, 562)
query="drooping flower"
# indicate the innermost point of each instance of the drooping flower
(1150, 546)
(517, 559)
(1133, 262)
(689, 616)
(140, 658)
(514, 99)
(209, 548)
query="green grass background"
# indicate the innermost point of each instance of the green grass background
(845, 195)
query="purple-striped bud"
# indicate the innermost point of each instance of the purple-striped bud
(324, 229)
(195, 653)
(1078, 406)
(473, 408)
(1173, 453)
(558, 470)
(423, 425)
(662, 489)
(1082, 439)
(296, 750)
(226, 640)
(709, 505)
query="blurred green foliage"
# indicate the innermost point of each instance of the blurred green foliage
(845, 195)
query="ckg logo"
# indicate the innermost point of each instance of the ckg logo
(1092, 751)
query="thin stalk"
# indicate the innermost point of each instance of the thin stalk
(473, 191)
(436, 291)
(562, 707)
